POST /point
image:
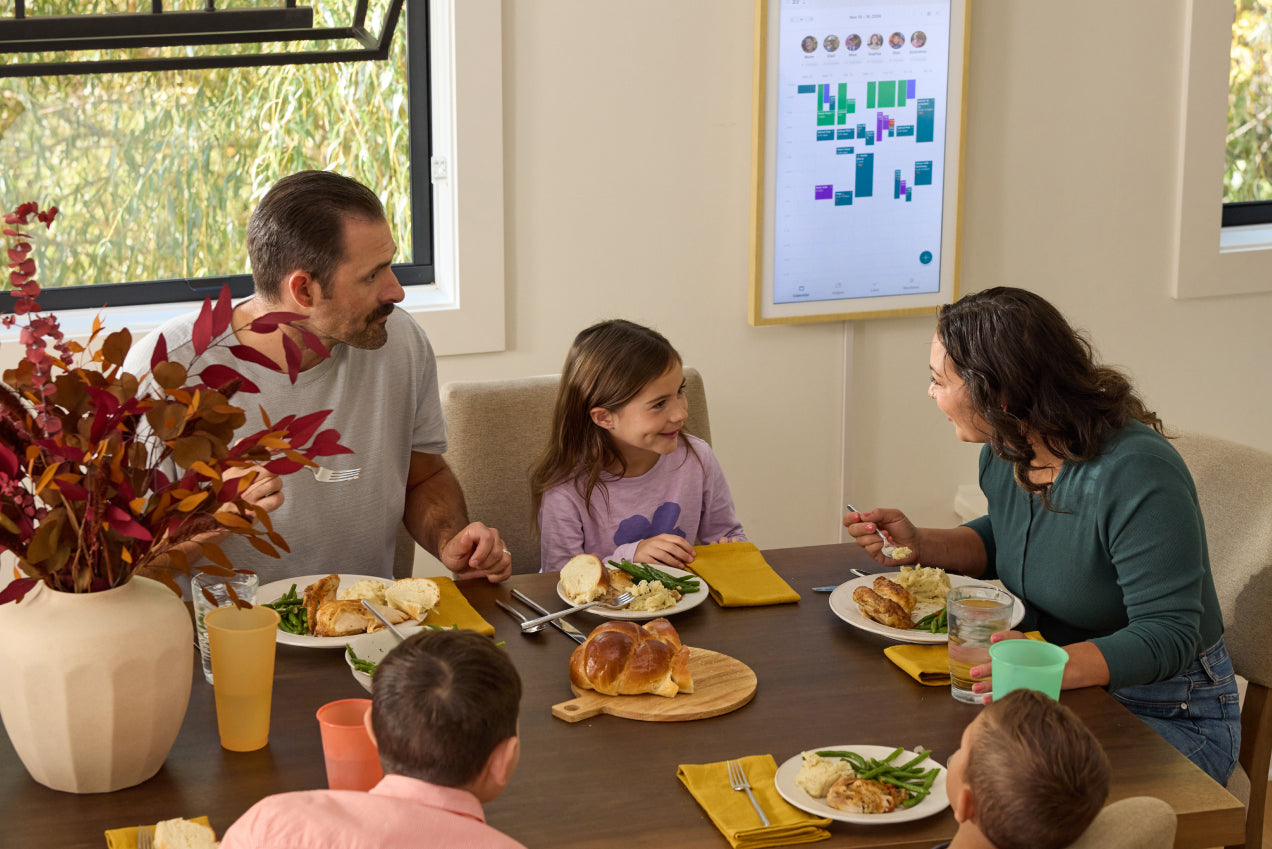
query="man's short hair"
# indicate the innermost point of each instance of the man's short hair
(299, 225)
(441, 702)
(1037, 773)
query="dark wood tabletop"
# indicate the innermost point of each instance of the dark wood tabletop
(608, 781)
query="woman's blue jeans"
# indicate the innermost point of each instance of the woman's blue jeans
(1198, 711)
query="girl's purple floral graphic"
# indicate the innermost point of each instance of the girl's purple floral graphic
(637, 528)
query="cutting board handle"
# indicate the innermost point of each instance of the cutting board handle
(584, 707)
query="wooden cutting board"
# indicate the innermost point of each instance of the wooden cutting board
(720, 684)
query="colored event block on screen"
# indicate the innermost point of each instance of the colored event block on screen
(870, 137)
(844, 135)
(901, 87)
(909, 89)
(905, 130)
(823, 192)
(807, 89)
(825, 135)
(923, 173)
(825, 119)
(887, 94)
(864, 186)
(840, 151)
(843, 198)
(870, 95)
(925, 123)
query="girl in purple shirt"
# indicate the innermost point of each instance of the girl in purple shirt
(620, 478)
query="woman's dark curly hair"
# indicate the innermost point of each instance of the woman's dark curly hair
(1029, 373)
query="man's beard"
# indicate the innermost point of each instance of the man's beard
(370, 335)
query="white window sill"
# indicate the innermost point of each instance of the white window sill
(1252, 237)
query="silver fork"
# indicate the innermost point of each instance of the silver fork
(324, 475)
(737, 780)
(622, 600)
(145, 837)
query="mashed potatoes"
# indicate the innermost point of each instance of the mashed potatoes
(651, 595)
(818, 773)
(927, 584)
(372, 591)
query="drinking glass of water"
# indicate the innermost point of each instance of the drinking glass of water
(974, 612)
(244, 585)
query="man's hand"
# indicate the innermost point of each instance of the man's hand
(476, 552)
(264, 491)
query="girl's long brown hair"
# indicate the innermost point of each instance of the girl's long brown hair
(607, 366)
(1029, 373)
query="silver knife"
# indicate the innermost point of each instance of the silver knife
(560, 624)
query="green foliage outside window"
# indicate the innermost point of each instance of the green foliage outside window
(1248, 173)
(156, 174)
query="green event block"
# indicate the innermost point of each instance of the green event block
(887, 94)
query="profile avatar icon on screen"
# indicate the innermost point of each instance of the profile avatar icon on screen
(918, 39)
(809, 43)
(853, 42)
(831, 43)
(875, 42)
(896, 41)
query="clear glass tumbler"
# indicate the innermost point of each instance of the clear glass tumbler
(245, 585)
(974, 612)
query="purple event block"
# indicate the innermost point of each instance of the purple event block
(903, 187)
(823, 192)
(909, 89)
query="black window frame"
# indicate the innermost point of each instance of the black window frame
(420, 271)
(1241, 213)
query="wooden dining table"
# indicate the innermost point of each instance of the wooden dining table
(607, 781)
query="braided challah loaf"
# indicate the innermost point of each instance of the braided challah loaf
(621, 658)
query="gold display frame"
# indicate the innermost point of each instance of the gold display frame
(761, 308)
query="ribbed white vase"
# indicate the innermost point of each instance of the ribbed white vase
(95, 685)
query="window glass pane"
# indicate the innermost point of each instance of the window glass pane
(1248, 174)
(156, 173)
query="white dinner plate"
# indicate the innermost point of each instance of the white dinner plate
(687, 601)
(933, 803)
(848, 610)
(275, 590)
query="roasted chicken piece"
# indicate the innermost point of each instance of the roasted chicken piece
(862, 796)
(316, 595)
(342, 618)
(882, 610)
(888, 588)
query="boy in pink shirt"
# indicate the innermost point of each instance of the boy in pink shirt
(444, 716)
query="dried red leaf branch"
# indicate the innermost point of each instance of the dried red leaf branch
(85, 500)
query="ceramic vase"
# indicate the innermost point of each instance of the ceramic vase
(95, 685)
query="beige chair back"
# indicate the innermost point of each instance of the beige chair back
(1139, 822)
(1234, 486)
(496, 430)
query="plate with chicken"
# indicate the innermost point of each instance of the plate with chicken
(877, 604)
(824, 782)
(331, 609)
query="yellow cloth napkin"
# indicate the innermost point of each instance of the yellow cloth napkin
(731, 810)
(126, 838)
(453, 609)
(739, 577)
(929, 664)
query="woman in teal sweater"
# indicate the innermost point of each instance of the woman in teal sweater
(1093, 519)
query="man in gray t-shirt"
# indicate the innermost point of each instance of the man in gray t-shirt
(320, 246)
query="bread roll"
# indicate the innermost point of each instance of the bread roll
(622, 658)
(184, 834)
(584, 579)
(413, 596)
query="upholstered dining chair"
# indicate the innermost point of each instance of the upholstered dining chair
(496, 430)
(1137, 822)
(1234, 486)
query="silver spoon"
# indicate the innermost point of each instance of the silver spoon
(378, 615)
(888, 547)
(521, 617)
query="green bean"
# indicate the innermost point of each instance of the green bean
(359, 664)
(916, 781)
(645, 572)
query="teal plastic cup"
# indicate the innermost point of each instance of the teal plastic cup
(1027, 665)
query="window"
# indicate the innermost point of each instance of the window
(1247, 179)
(156, 173)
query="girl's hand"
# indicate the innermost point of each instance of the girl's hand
(893, 524)
(665, 549)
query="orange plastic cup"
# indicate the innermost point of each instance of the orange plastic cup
(353, 762)
(241, 641)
